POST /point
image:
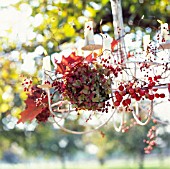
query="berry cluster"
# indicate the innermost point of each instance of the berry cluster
(151, 143)
(115, 70)
(137, 90)
(27, 83)
(39, 96)
(59, 86)
(87, 86)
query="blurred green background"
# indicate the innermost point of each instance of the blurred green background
(30, 27)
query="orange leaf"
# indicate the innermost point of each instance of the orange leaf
(130, 55)
(91, 57)
(73, 58)
(60, 68)
(114, 43)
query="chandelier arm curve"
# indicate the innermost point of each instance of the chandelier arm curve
(49, 101)
(147, 120)
(52, 105)
(56, 104)
(62, 111)
(84, 132)
(118, 129)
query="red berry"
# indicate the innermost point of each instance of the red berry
(138, 98)
(150, 78)
(156, 95)
(119, 97)
(121, 88)
(131, 90)
(152, 84)
(124, 103)
(134, 95)
(155, 89)
(131, 84)
(152, 143)
(162, 95)
(142, 92)
(155, 121)
(138, 89)
(150, 96)
(116, 103)
(159, 76)
(116, 92)
(128, 101)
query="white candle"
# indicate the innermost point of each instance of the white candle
(46, 68)
(107, 40)
(146, 40)
(107, 43)
(165, 31)
(88, 33)
(47, 63)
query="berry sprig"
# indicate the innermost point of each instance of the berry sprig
(151, 141)
(137, 90)
(126, 127)
(27, 83)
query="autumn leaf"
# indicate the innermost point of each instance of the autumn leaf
(91, 57)
(60, 68)
(129, 55)
(72, 60)
(67, 62)
(114, 43)
(31, 110)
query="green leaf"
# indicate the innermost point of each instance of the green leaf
(95, 99)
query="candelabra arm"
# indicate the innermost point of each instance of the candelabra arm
(84, 132)
(49, 102)
(118, 129)
(148, 118)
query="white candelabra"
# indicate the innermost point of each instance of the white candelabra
(131, 72)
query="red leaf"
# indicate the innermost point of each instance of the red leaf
(64, 61)
(91, 57)
(73, 58)
(114, 43)
(60, 68)
(67, 62)
(30, 112)
(130, 55)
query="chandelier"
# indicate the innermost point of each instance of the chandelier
(97, 84)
